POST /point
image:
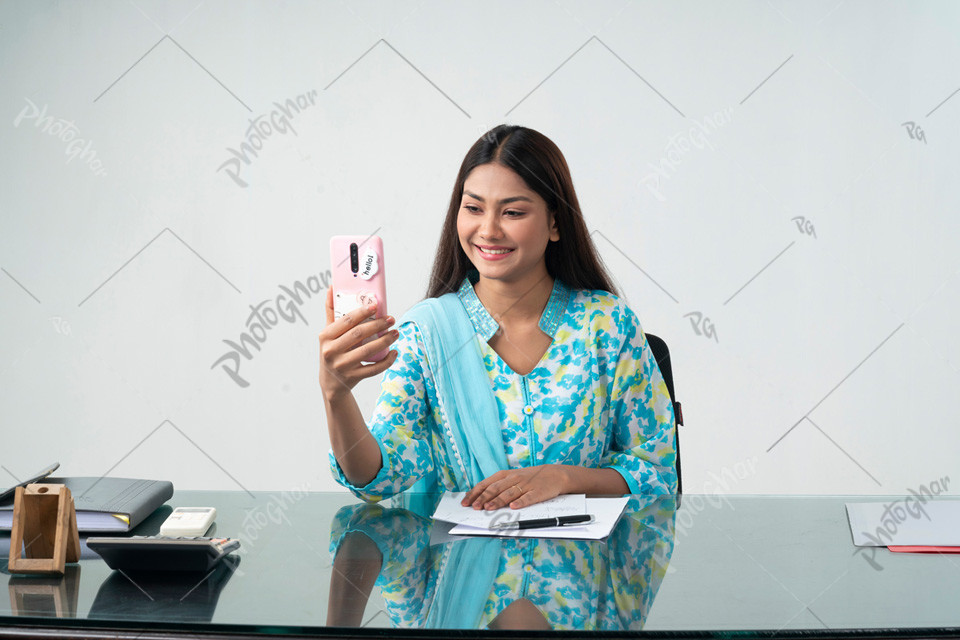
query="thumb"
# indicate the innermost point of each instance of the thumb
(329, 305)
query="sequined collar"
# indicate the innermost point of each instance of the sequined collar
(486, 326)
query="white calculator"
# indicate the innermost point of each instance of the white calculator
(188, 521)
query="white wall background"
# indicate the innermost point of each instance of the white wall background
(747, 162)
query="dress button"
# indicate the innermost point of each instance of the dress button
(528, 410)
(528, 568)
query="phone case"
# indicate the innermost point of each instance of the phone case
(359, 277)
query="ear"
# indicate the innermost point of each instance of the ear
(554, 229)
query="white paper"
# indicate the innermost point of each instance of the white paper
(440, 532)
(606, 512)
(907, 522)
(449, 510)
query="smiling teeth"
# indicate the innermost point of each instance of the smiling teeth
(495, 251)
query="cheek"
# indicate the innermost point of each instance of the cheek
(464, 230)
(532, 236)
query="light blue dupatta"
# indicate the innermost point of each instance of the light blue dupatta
(471, 420)
(474, 444)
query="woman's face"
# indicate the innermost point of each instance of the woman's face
(504, 226)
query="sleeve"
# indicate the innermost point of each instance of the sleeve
(641, 417)
(399, 535)
(407, 571)
(399, 424)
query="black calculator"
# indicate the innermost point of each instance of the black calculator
(163, 553)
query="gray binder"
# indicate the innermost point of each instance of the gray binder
(106, 504)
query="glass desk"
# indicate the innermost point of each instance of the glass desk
(324, 564)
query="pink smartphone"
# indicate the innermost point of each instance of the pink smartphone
(359, 277)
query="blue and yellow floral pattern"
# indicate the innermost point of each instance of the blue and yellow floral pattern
(596, 399)
(585, 585)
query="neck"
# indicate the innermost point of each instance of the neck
(513, 301)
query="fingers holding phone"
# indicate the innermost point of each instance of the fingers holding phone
(355, 343)
(349, 342)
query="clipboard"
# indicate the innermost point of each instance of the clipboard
(8, 493)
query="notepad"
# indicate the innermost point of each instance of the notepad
(909, 523)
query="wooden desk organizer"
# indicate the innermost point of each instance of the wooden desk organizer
(45, 527)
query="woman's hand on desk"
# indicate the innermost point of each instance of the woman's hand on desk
(523, 487)
(342, 351)
(518, 487)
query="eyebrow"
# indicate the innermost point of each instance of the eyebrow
(504, 201)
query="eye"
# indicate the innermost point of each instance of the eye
(472, 208)
(513, 213)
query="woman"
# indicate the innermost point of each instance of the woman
(521, 376)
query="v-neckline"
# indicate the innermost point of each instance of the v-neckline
(543, 357)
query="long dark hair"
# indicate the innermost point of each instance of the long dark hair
(573, 259)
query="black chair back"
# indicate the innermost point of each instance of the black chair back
(661, 354)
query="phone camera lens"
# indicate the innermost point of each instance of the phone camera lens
(354, 257)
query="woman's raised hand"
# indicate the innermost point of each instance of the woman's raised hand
(341, 350)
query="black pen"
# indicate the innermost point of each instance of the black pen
(541, 523)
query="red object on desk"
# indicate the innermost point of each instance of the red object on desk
(922, 549)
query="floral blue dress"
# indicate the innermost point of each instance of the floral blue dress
(596, 399)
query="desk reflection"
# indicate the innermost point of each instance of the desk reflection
(45, 596)
(498, 583)
(161, 595)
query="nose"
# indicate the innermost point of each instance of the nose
(490, 226)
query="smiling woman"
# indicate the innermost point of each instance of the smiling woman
(505, 237)
(521, 376)
(536, 168)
